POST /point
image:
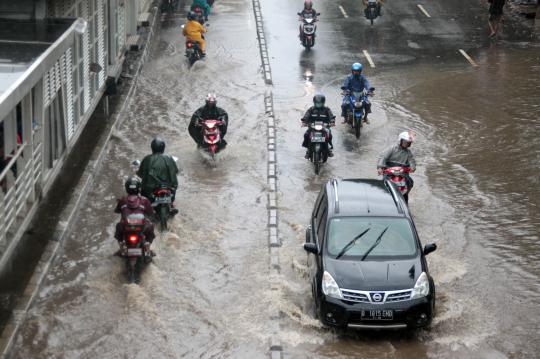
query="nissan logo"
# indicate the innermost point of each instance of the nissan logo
(377, 297)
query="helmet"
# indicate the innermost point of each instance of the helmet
(157, 145)
(406, 136)
(211, 100)
(319, 99)
(356, 68)
(191, 15)
(133, 185)
(308, 4)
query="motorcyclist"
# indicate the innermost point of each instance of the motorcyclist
(399, 155)
(202, 4)
(318, 112)
(158, 170)
(355, 82)
(210, 111)
(134, 203)
(379, 5)
(193, 31)
(309, 11)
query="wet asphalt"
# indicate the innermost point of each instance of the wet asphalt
(206, 294)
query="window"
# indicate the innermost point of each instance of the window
(398, 240)
(321, 225)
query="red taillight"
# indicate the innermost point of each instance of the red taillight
(212, 137)
(133, 238)
(189, 44)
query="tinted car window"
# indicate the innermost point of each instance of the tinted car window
(397, 242)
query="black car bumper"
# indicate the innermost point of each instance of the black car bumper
(413, 313)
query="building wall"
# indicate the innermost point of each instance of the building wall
(46, 121)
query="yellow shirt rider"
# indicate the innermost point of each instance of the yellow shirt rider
(193, 31)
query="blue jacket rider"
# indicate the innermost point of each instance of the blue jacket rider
(355, 82)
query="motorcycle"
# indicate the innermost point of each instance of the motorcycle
(396, 175)
(193, 52)
(355, 114)
(318, 146)
(307, 30)
(135, 248)
(161, 200)
(212, 138)
(372, 10)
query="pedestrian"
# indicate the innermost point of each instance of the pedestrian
(495, 15)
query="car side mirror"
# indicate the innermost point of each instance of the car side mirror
(311, 248)
(429, 248)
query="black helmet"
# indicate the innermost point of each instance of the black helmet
(133, 185)
(318, 100)
(157, 145)
(191, 15)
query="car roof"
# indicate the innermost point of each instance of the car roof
(364, 197)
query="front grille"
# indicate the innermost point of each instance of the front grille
(357, 296)
(354, 296)
(399, 296)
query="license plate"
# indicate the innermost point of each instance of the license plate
(318, 139)
(134, 252)
(377, 314)
(162, 200)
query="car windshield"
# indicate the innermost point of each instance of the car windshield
(396, 242)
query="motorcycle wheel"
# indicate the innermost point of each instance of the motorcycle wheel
(371, 21)
(357, 125)
(316, 162)
(163, 215)
(133, 266)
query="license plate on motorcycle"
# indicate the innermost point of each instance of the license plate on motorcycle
(377, 314)
(318, 139)
(162, 200)
(134, 252)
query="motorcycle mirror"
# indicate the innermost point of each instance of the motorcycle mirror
(318, 14)
(299, 14)
(371, 89)
(183, 26)
(175, 158)
(136, 163)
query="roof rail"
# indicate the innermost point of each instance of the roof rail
(334, 184)
(393, 191)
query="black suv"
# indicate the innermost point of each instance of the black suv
(368, 267)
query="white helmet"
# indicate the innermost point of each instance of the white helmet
(406, 136)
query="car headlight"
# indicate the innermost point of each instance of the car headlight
(330, 287)
(421, 288)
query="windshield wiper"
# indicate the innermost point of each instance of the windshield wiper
(377, 241)
(351, 243)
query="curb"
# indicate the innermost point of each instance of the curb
(262, 42)
(20, 311)
(274, 242)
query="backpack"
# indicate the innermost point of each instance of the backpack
(132, 212)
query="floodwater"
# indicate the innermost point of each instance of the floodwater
(207, 293)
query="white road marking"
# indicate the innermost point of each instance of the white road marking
(468, 57)
(423, 10)
(368, 57)
(343, 12)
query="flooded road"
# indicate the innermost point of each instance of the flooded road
(207, 293)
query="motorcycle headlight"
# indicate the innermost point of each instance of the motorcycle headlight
(421, 288)
(330, 287)
(358, 104)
